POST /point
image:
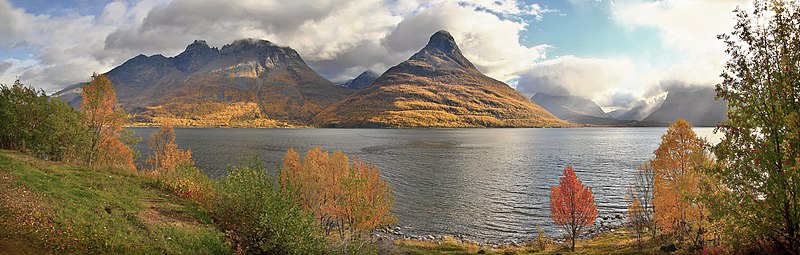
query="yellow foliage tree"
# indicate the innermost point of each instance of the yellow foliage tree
(104, 120)
(678, 165)
(351, 198)
(164, 153)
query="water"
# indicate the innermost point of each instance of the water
(485, 184)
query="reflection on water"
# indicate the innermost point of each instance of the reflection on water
(487, 184)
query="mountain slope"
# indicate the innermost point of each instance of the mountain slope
(71, 95)
(362, 80)
(436, 87)
(639, 111)
(250, 82)
(695, 105)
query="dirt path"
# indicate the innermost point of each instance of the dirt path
(159, 210)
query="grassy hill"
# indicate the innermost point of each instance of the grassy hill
(48, 207)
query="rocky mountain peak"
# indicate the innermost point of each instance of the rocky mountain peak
(362, 80)
(196, 55)
(442, 51)
(443, 41)
(197, 45)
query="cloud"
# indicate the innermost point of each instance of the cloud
(491, 43)
(619, 99)
(570, 75)
(688, 32)
(688, 28)
(339, 39)
(62, 50)
(5, 65)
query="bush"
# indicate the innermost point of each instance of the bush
(261, 218)
(32, 122)
(187, 181)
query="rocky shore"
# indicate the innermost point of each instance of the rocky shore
(603, 224)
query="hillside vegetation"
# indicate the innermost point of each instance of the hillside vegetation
(46, 207)
(436, 87)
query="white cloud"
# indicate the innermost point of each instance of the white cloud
(585, 77)
(491, 43)
(689, 28)
(338, 38)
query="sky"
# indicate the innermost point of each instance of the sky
(616, 53)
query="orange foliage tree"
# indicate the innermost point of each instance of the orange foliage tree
(351, 198)
(175, 168)
(572, 205)
(104, 120)
(678, 165)
(164, 153)
(367, 199)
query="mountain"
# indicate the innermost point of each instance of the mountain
(639, 111)
(71, 95)
(362, 80)
(248, 82)
(575, 109)
(696, 105)
(436, 87)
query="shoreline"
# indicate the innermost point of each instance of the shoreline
(394, 128)
(398, 233)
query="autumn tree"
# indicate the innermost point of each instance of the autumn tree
(678, 166)
(572, 205)
(106, 139)
(164, 153)
(349, 197)
(366, 200)
(641, 193)
(758, 156)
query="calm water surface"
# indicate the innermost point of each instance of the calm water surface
(486, 184)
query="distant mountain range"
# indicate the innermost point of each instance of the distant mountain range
(257, 83)
(638, 111)
(362, 80)
(248, 82)
(436, 87)
(577, 109)
(695, 104)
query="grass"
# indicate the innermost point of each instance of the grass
(618, 242)
(64, 208)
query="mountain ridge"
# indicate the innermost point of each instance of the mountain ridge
(436, 87)
(248, 82)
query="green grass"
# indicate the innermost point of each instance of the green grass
(84, 211)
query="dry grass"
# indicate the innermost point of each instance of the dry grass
(619, 242)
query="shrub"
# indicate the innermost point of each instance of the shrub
(189, 182)
(541, 241)
(260, 217)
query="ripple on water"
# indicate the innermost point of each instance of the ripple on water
(485, 184)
